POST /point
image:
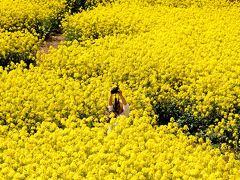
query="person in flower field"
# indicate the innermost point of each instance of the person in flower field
(119, 107)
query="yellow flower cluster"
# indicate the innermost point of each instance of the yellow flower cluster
(17, 46)
(126, 152)
(126, 17)
(34, 15)
(110, 20)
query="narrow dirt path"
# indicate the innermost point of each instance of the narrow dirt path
(51, 41)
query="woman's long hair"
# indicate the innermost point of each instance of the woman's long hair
(116, 105)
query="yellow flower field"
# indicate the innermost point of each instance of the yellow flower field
(177, 64)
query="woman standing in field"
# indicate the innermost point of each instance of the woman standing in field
(119, 107)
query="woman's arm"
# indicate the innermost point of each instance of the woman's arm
(122, 98)
(110, 100)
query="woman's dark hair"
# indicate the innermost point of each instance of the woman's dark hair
(116, 105)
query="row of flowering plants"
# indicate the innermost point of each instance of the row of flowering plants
(23, 23)
(19, 18)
